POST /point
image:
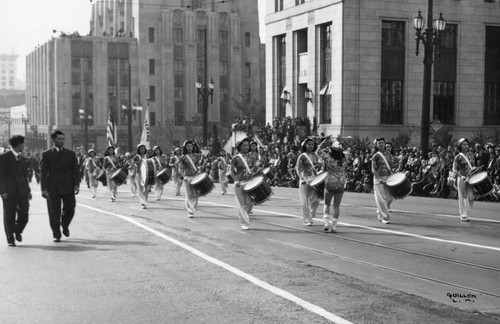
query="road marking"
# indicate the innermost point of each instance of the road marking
(264, 285)
(479, 246)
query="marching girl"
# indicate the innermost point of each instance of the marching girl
(222, 166)
(143, 191)
(462, 166)
(110, 165)
(131, 166)
(335, 162)
(91, 165)
(242, 169)
(176, 177)
(308, 163)
(382, 164)
(161, 164)
(189, 166)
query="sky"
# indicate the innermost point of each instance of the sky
(24, 24)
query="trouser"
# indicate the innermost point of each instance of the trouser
(191, 196)
(112, 187)
(133, 184)
(56, 218)
(383, 200)
(11, 207)
(93, 184)
(309, 200)
(158, 189)
(143, 191)
(243, 204)
(177, 183)
(223, 181)
(465, 197)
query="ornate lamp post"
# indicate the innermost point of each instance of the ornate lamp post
(430, 37)
(203, 93)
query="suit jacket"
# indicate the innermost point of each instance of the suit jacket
(13, 176)
(59, 171)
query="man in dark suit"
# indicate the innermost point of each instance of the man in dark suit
(59, 183)
(15, 190)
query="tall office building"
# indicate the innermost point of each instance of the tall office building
(355, 63)
(8, 70)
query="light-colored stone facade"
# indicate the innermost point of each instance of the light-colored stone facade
(356, 62)
(8, 70)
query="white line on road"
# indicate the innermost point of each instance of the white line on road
(264, 285)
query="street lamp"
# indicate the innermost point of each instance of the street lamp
(430, 37)
(25, 121)
(204, 93)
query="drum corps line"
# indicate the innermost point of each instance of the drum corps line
(321, 169)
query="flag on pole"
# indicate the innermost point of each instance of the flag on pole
(146, 135)
(111, 130)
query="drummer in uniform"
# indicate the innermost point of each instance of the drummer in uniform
(463, 165)
(382, 165)
(91, 164)
(243, 168)
(307, 167)
(222, 166)
(111, 164)
(143, 191)
(189, 166)
(176, 177)
(335, 162)
(161, 164)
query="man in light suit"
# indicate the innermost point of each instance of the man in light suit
(14, 190)
(60, 182)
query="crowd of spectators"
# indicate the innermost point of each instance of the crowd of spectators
(281, 148)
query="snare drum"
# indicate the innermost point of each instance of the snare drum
(202, 184)
(258, 189)
(318, 184)
(99, 174)
(119, 176)
(163, 176)
(147, 171)
(480, 183)
(399, 185)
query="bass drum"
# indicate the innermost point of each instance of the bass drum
(163, 176)
(258, 189)
(119, 176)
(480, 183)
(147, 172)
(399, 185)
(202, 184)
(318, 184)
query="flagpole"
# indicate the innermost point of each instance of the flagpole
(129, 108)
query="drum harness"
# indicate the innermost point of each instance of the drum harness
(192, 163)
(112, 163)
(310, 161)
(468, 163)
(245, 163)
(385, 160)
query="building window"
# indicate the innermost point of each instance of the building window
(278, 5)
(178, 67)
(152, 93)
(325, 104)
(177, 35)
(248, 70)
(247, 39)
(152, 118)
(151, 34)
(224, 94)
(492, 77)
(445, 74)
(223, 68)
(151, 66)
(393, 72)
(298, 2)
(223, 37)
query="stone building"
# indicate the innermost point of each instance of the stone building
(8, 70)
(171, 56)
(73, 82)
(356, 62)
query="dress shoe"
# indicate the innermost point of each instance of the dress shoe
(65, 231)
(19, 237)
(57, 239)
(12, 243)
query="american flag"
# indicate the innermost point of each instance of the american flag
(146, 134)
(111, 130)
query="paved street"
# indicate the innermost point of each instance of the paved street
(123, 264)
